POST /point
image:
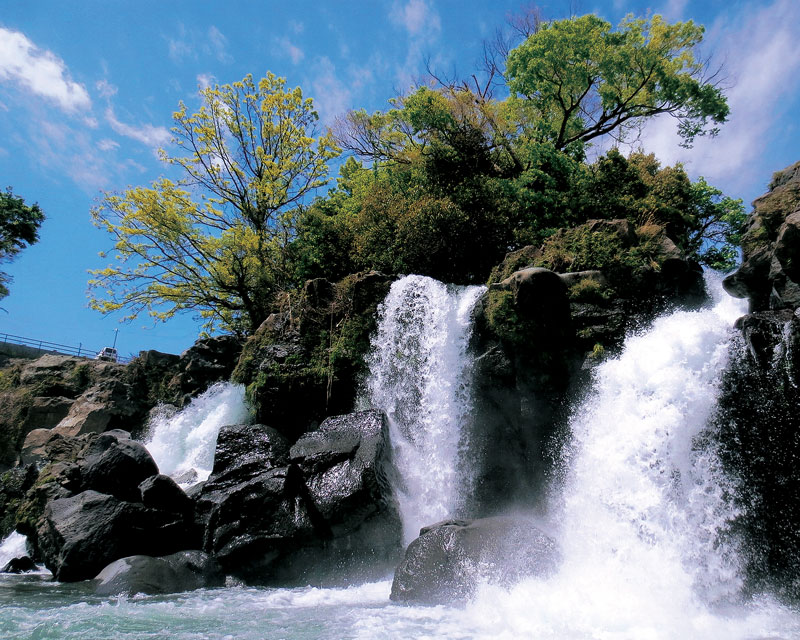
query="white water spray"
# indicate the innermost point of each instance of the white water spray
(644, 512)
(185, 442)
(15, 545)
(418, 376)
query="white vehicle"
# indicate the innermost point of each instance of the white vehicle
(109, 354)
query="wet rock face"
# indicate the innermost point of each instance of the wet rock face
(272, 514)
(207, 361)
(770, 272)
(175, 573)
(449, 559)
(80, 535)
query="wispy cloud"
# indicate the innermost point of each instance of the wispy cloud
(205, 80)
(40, 71)
(147, 134)
(219, 45)
(423, 25)
(765, 78)
(107, 144)
(332, 97)
(105, 89)
(417, 17)
(673, 10)
(287, 48)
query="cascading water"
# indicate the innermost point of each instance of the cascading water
(13, 546)
(418, 368)
(643, 515)
(182, 444)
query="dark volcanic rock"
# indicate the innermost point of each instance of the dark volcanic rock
(117, 466)
(23, 564)
(449, 559)
(80, 535)
(162, 492)
(275, 516)
(182, 571)
(341, 464)
(207, 361)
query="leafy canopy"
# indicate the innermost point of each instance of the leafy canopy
(216, 241)
(19, 228)
(586, 80)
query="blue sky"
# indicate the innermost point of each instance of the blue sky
(87, 89)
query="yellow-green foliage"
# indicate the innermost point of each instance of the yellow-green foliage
(503, 318)
(589, 290)
(581, 249)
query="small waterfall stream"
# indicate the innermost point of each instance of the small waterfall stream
(182, 443)
(418, 376)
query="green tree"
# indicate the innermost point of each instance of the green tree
(19, 228)
(217, 240)
(585, 80)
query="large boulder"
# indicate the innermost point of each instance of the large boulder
(343, 465)
(770, 272)
(450, 559)
(81, 534)
(207, 361)
(279, 516)
(182, 571)
(116, 466)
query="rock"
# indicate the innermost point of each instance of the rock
(277, 516)
(207, 361)
(571, 279)
(102, 407)
(182, 571)
(46, 413)
(343, 467)
(252, 523)
(14, 484)
(23, 564)
(33, 449)
(48, 367)
(80, 535)
(620, 228)
(449, 559)
(116, 466)
(770, 271)
(162, 492)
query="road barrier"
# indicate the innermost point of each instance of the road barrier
(53, 347)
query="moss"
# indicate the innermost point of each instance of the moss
(590, 290)
(598, 352)
(503, 319)
(513, 262)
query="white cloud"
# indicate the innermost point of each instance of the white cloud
(40, 71)
(105, 88)
(147, 134)
(673, 9)
(286, 47)
(205, 80)
(296, 26)
(331, 96)
(761, 48)
(107, 144)
(417, 17)
(219, 44)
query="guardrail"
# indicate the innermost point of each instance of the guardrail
(54, 347)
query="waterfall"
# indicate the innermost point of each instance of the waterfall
(14, 545)
(419, 376)
(183, 443)
(643, 515)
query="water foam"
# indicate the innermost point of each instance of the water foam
(418, 376)
(185, 441)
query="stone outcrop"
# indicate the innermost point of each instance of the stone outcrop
(276, 515)
(770, 272)
(757, 418)
(175, 573)
(448, 560)
(80, 535)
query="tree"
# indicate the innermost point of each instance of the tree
(19, 228)
(586, 80)
(216, 241)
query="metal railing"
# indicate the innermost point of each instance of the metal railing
(55, 347)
